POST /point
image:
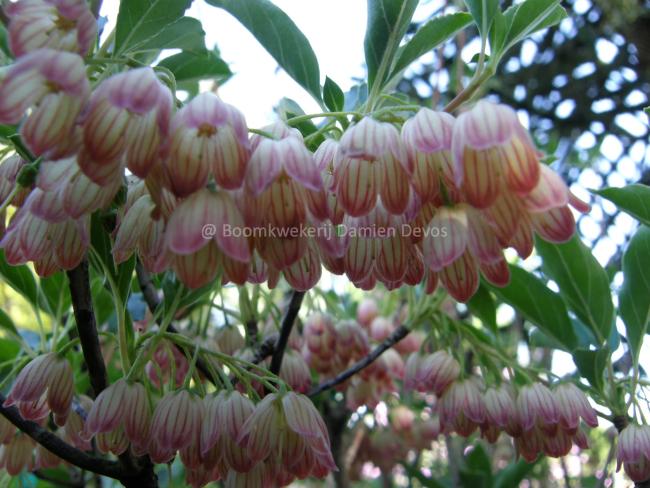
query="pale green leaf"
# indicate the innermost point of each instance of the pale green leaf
(632, 199)
(582, 281)
(280, 36)
(138, 21)
(386, 26)
(634, 297)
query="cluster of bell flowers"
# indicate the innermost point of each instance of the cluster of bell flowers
(218, 436)
(539, 419)
(437, 199)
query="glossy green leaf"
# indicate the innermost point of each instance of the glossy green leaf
(140, 21)
(513, 474)
(482, 305)
(185, 33)
(634, 297)
(429, 36)
(538, 304)
(499, 32)
(9, 349)
(190, 66)
(333, 95)
(55, 291)
(591, 365)
(124, 277)
(483, 12)
(582, 281)
(6, 323)
(631, 199)
(20, 278)
(287, 109)
(387, 24)
(280, 36)
(531, 16)
(4, 41)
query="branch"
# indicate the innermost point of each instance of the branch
(140, 471)
(57, 446)
(87, 327)
(285, 330)
(265, 350)
(398, 334)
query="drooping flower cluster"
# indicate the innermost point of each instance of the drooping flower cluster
(439, 200)
(539, 420)
(223, 436)
(329, 348)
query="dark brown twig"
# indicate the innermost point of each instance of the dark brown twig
(398, 334)
(65, 451)
(87, 327)
(285, 330)
(82, 305)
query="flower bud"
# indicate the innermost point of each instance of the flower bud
(492, 153)
(128, 114)
(177, 421)
(17, 456)
(427, 139)
(367, 311)
(462, 407)
(295, 372)
(61, 25)
(373, 163)
(536, 405)
(207, 136)
(572, 406)
(54, 85)
(46, 372)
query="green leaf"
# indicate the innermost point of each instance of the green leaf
(531, 16)
(20, 278)
(513, 474)
(387, 24)
(333, 95)
(185, 33)
(280, 36)
(9, 349)
(6, 323)
(538, 304)
(482, 305)
(190, 66)
(479, 462)
(430, 35)
(591, 365)
(138, 21)
(582, 281)
(632, 199)
(499, 32)
(7, 131)
(4, 41)
(634, 297)
(124, 276)
(287, 109)
(483, 12)
(54, 290)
